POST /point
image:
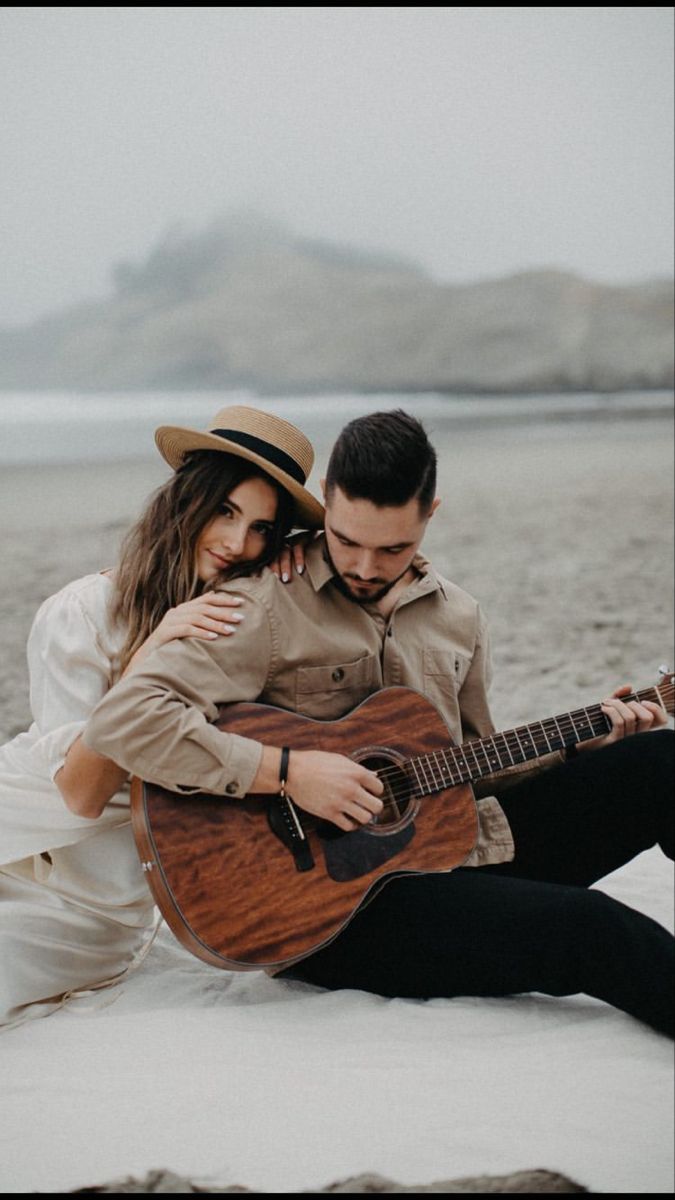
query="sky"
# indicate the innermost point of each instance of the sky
(474, 141)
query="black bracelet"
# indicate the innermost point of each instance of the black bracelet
(283, 771)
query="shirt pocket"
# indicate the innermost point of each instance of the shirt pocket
(444, 673)
(328, 692)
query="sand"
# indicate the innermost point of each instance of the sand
(564, 531)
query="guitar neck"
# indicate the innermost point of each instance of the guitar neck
(477, 758)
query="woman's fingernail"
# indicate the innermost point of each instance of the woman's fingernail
(229, 628)
(300, 570)
(238, 617)
(285, 577)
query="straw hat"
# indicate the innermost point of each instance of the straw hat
(274, 445)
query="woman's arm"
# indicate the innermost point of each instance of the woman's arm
(87, 780)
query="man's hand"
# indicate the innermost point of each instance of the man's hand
(334, 788)
(627, 719)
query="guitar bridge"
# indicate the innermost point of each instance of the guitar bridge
(283, 820)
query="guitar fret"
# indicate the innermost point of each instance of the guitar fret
(442, 766)
(424, 774)
(431, 760)
(506, 747)
(413, 763)
(439, 759)
(554, 729)
(436, 774)
(472, 748)
(481, 743)
(430, 764)
(467, 768)
(520, 746)
(494, 765)
(531, 749)
(462, 765)
(583, 726)
(541, 726)
(565, 725)
(598, 721)
(446, 769)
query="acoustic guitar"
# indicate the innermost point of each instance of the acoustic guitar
(255, 883)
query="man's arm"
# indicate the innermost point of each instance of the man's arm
(156, 723)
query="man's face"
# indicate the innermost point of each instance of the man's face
(371, 548)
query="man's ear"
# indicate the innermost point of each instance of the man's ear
(322, 485)
(434, 506)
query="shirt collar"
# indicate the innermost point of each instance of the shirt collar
(320, 572)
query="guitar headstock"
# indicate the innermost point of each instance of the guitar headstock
(666, 689)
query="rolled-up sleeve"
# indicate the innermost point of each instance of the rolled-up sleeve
(156, 722)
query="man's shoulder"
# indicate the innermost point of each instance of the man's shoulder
(260, 586)
(265, 588)
(454, 595)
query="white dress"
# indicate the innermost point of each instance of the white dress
(74, 906)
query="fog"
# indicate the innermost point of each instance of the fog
(474, 141)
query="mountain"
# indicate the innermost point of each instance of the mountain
(247, 303)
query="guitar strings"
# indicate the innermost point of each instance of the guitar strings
(411, 787)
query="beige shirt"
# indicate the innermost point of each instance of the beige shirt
(303, 646)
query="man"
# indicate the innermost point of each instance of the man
(369, 612)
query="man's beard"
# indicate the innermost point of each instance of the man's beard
(342, 586)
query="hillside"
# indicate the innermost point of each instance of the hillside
(256, 306)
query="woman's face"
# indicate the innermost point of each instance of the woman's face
(239, 532)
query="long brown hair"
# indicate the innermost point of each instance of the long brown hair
(157, 565)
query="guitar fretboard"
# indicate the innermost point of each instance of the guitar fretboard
(477, 758)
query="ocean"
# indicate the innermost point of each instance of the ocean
(66, 427)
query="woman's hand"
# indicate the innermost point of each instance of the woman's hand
(292, 557)
(208, 616)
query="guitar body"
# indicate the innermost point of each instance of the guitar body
(230, 885)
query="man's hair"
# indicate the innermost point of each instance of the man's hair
(386, 458)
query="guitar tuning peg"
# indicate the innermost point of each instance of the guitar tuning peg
(664, 670)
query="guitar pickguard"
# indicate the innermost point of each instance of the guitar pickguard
(351, 855)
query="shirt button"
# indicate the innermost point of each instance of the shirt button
(232, 788)
(338, 674)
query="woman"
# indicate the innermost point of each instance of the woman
(74, 907)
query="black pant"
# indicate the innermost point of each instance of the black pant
(531, 925)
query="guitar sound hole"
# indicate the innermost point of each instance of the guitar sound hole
(397, 796)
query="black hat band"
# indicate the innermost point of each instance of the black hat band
(266, 450)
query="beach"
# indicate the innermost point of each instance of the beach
(564, 532)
